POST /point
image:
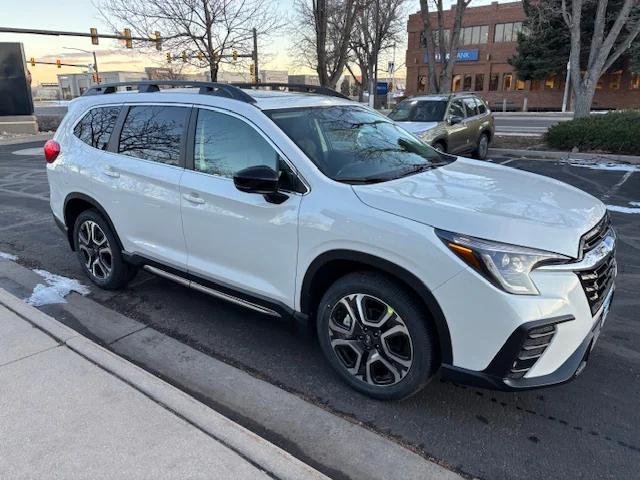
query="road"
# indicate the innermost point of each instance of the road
(589, 428)
(531, 124)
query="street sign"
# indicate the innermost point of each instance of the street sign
(382, 88)
(391, 67)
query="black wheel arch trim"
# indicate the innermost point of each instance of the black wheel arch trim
(95, 204)
(413, 282)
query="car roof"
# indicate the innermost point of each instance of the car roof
(264, 99)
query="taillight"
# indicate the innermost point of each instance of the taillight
(51, 150)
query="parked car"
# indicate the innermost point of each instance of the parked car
(457, 123)
(309, 206)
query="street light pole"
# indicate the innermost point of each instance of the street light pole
(95, 60)
(565, 97)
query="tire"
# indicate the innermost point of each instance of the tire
(400, 334)
(98, 252)
(482, 148)
(441, 147)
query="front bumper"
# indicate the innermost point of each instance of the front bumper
(496, 375)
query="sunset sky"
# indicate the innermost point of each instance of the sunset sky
(81, 15)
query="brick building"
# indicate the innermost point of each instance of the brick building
(487, 41)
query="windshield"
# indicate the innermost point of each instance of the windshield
(419, 111)
(353, 144)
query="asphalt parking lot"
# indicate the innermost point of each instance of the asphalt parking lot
(589, 428)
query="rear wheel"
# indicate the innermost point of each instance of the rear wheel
(98, 252)
(482, 149)
(376, 336)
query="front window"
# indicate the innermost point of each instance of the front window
(419, 111)
(352, 144)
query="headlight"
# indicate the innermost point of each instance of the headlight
(506, 266)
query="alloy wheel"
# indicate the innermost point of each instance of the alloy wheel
(483, 146)
(95, 249)
(370, 340)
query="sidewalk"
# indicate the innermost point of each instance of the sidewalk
(71, 409)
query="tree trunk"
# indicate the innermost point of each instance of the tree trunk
(582, 101)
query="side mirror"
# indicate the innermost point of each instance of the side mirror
(259, 179)
(454, 119)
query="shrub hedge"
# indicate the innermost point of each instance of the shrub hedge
(614, 132)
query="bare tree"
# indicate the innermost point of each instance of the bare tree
(204, 30)
(322, 36)
(441, 48)
(602, 54)
(377, 28)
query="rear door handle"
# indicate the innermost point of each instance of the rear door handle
(110, 172)
(193, 198)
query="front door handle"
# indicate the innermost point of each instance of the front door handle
(110, 172)
(193, 198)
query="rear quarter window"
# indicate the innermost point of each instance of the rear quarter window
(96, 126)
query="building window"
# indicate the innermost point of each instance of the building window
(507, 32)
(436, 36)
(635, 81)
(467, 83)
(600, 84)
(494, 81)
(507, 81)
(476, 35)
(535, 85)
(456, 83)
(550, 83)
(520, 84)
(422, 83)
(616, 79)
(479, 82)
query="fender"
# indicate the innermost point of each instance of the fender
(412, 282)
(95, 204)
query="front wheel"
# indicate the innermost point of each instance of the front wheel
(377, 336)
(482, 148)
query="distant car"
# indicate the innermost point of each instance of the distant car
(454, 123)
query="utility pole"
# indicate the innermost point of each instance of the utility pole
(565, 97)
(95, 60)
(255, 55)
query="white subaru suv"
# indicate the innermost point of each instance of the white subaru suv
(294, 201)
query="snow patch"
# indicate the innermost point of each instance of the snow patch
(8, 256)
(57, 288)
(617, 208)
(608, 166)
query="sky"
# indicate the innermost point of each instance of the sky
(81, 15)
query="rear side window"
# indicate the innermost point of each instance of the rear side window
(154, 133)
(96, 126)
(225, 145)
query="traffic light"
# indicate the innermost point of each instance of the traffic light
(158, 41)
(252, 73)
(32, 61)
(58, 63)
(128, 43)
(184, 57)
(235, 55)
(168, 57)
(94, 36)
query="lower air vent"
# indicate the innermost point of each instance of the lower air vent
(534, 345)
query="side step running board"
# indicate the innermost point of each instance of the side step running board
(210, 291)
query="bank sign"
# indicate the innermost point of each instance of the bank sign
(462, 56)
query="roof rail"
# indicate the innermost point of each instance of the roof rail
(293, 87)
(150, 86)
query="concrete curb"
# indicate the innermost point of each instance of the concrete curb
(276, 461)
(27, 139)
(554, 155)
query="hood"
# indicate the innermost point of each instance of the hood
(417, 127)
(492, 202)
